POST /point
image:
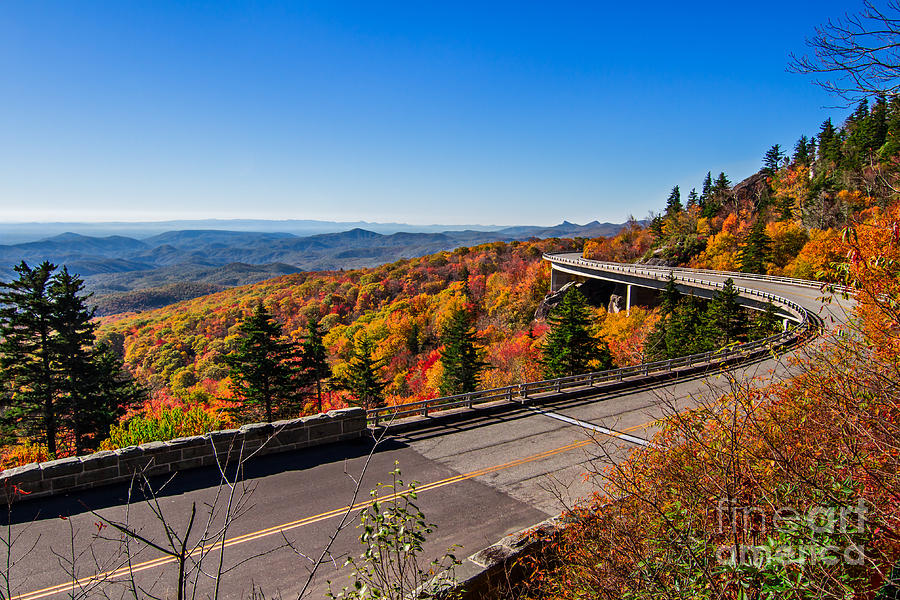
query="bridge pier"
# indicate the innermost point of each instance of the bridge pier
(560, 278)
(628, 299)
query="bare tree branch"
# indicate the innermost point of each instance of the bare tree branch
(856, 56)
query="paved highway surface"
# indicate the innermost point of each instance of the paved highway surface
(479, 480)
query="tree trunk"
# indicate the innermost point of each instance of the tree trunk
(49, 413)
(319, 392)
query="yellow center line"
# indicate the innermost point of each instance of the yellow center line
(278, 529)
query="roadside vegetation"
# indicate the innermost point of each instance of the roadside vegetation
(774, 490)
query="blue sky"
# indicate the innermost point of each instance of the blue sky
(492, 113)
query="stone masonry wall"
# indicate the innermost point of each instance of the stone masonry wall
(160, 458)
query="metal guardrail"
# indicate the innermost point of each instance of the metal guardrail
(522, 390)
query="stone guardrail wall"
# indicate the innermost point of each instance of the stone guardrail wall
(107, 467)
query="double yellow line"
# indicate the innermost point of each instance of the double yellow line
(278, 529)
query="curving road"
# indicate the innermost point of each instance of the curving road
(481, 478)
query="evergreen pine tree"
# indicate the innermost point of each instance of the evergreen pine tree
(604, 359)
(569, 347)
(656, 226)
(655, 347)
(726, 322)
(27, 354)
(461, 357)
(802, 154)
(756, 252)
(772, 160)
(685, 331)
(765, 323)
(722, 184)
(57, 385)
(72, 322)
(829, 144)
(263, 367)
(670, 296)
(717, 195)
(891, 146)
(363, 378)
(673, 203)
(879, 119)
(314, 359)
(706, 190)
(413, 344)
(114, 391)
(693, 200)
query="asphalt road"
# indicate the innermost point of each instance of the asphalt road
(479, 479)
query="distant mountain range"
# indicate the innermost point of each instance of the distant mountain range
(176, 265)
(16, 233)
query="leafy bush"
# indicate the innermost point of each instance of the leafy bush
(167, 424)
(22, 454)
(394, 531)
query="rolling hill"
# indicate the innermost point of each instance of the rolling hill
(166, 265)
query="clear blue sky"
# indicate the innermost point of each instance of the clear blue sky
(494, 113)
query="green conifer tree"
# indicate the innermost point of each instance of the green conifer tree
(673, 203)
(802, 153)
(413, 343)
(706, 190)
(569, 347)
(461, 357)
(726, 322)
(685, 331)
(879, 120)
(670, 296)
(263, 368)
(765, 323)
(829, 144)
(655, 347)
(314, 359)
(27, 354)
(363, 379)
(693, 199)
(756, 251)
(56, 384)
(114, 391)
(717, 195)
(772, 160)
(656, 226)
(891, 146)
(73, 365)
(722, 184)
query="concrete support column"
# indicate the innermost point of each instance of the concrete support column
(628, 299)
(555, 277)
(559, 279)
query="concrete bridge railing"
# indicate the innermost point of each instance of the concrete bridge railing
(650, 269)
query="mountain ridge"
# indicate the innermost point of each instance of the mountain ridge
(119, 264)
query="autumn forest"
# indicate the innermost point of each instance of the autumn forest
(480, 317)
